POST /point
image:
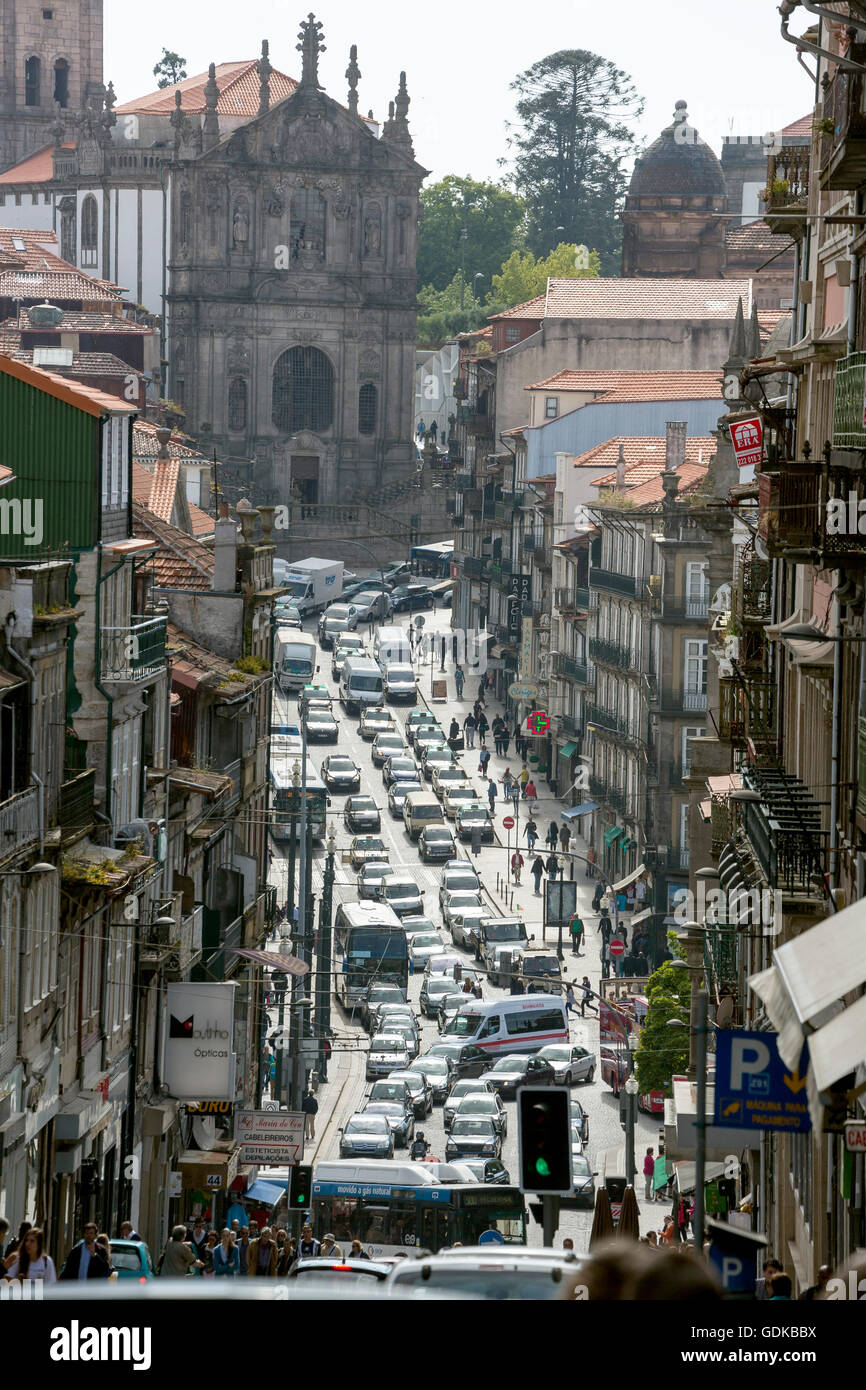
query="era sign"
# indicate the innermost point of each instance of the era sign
(747, 438)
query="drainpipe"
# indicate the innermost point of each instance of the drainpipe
(109, 699)
(835, 744)
(10, 625)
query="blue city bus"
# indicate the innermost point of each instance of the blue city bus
(370, 947)
(287, 748)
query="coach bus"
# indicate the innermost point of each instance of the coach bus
(369, 948)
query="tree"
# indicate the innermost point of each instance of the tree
(575, 111)
(523, 277)
(493, 218)
(171, 68)
(663, 1051)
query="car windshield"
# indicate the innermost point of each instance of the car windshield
(125, 1258)
(381, 1044)
(464, 900)
(423, 940)
(580, 1166)
(439, 987)
(541, 965)
(436, 832)
(505, 931)
(377, 716)
(436, 1066)
(388, 1090)
(389, 741)
(477, 1105)
(376, 871)
(401, 673)
(510, 1064)
(453, 1001)
(405, 789)
(461, 1126)
(384, 1107)
(401, 890)
(555, 1053)
(375, 1124)
(361, 803)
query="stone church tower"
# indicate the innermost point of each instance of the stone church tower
(291, 306)
(50, 55)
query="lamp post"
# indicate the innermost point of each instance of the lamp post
(631, 1090)
(479, 275)
(463, 237)
(323, 976)
(699, 1032)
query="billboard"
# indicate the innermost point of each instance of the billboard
(198, 1041)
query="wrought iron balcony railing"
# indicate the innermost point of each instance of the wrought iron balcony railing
(787, 194)
(571, 668)
(610, 579)
(134, 653)
(610, 653)
(843, 148)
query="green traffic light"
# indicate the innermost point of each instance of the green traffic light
(541, 1167)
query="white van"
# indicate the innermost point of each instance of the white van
(400, 683)
(390, 645)
(522, 1023)
(360, 684)
(421, 809)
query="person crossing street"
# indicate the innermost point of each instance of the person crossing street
(310, 1107)
(516, 865)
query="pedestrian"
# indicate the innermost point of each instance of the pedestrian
(515, 797)
(242, 1242)
(483, 761)
(570, 1000)
(310, 1107)
(207, 1259)
(86, 1260)
(453, 731)
(491, 794)
(590, 863)
(475, 841)
(308, 1247)
(564, 839)
(30, 1262)
(357, 1251)
(469, 726)
(531, 833)
(286, 1258)
(530, 791)
(814, 1290)
(762, 1286)
(596, 897)
(198, 1237)
(575, 926)
(605, 960)
(459, 678)
(524, 775)
(176, 1261)
(780, 1289)
(330, 1248)
(552, 866)
(537, 872)
(666, 1234)
(506, 739)
(649, 1167)
(516, 865)
(604, 927)
(16, 1244)
(497, 736)
(226, 1257)
(483, 726)
(587, 995)
(262, 1257)
(552, 836)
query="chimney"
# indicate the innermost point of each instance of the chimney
(225, 552)
(675, 445)
(620, 469)
(163, 435)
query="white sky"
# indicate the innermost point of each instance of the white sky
(727, 60)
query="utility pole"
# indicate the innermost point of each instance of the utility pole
(700, 1121)
(323, 973)
(463, 236)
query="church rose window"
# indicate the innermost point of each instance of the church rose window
(303, 391)
(367, 403)
(307, 231)
(238, 404)
(32, 82)
(89, 231)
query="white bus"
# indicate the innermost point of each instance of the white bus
(522, 1023)
(287, 748)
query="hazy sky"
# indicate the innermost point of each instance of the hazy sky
(728, 61)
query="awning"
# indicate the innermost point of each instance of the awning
(582, 810)
(568, 750)
(725, 784)
(267, 1192)
(685, 1174)
(804, 653)
(642, 916)
(630, 878)
(292, 965)
(611, 834)
(840, 1046)
(443, 587)
(706, 809)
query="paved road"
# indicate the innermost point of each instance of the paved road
(346, 1085)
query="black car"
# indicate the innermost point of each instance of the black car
(409, 597)
(361, 814)
(320, 726)
(340, 773)
(435, 842)
(509, 1073)
(487, 1169)
(466, 1058)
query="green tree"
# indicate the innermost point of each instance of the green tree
(523, 277)
(171, 68)
(493, 218)
(575, 112)
(664, 1051)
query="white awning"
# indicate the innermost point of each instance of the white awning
(840, 1046)
(624, 882)
(641, 916)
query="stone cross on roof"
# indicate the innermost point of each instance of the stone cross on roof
(310, 46)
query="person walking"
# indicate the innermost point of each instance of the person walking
(605, 960)
(483, 727)
(330, 1249)
(310, 1107)
(604, 927)
(506, 737)
(178, 1257)
(515, 797)
(587, 995)
(208, 1254)
(552, 867)
(649, 1167)
(552, 836)
(357, 1251)
(530, 791)
(531, 833)
(596, 897)
(537, 872)
(30, 1262)
(491, 794)
(524, 775)
(483, 761)
(86, 1261)
(459, 678)
(497, 736)
(226, 1258)
(516, 865)
(198, 1238)
(565, 839)
(575, 926)
(308, 1247)
(570, 1000)
(286, 1258)
(262, 1257)
(469, 727)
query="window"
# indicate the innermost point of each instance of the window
(689, 733)
(697, 589)
(238, 404)
(512, 334)
(695, 668)
(32, 82)
(303, 391)
(539, 1021)
(115, 462)
(551, 407)
(89, 231)
(307, 230)
(61, 82)
(367, 409)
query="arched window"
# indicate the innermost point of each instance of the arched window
(367, 408)
(89, 231)
(238, 404)
(61, 82)
(303, 391)
(307, 230)
(32, 82)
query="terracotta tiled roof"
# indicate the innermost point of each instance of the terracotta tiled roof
(154, 486)
(79, 321)
(238, 84)
(36, 168)
(691, 476)
(85, 398)
(195, 660)
(37, 244)
(84, 364)
(611, 298)
(530, 309)
(181, 562)
(644, 457)
(802, 127)
(145, 444)
(52, 284)
(635, 386)
(769, 319)
(755, 238)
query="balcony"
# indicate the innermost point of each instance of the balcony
(19, 823)
(610, 653)
(787, 194)
(480, 425)
(463, 481)
(762, 705)
(512, 501)
(754, 587)
(605, 719)
(850, 380)
(843, 150)
(75, 812)
(570, 726)
(232, 770)
(543, 557)
(571, 668)
(134, 653)
(732, 718)
(677, 859)
(784, 830)
(615, 583)
(671, 701)
(473, 567)
(721, 960)
(570, 601)
(680, 608)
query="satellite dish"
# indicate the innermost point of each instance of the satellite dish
(725, 1011)
(204, 1130)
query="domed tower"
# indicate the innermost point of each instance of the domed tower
(671, 225)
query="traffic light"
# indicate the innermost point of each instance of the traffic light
(301, 1186)
(544, 1139)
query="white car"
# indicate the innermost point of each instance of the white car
(423, 946)
(456, 795)
(472, 1086)
(376, 721)
(388, 1052)
(461, 912)
(459, 874)
(447, 776)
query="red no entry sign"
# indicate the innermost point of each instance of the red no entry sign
(617, 947)
(508, 822)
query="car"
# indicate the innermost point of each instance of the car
(421, 719)
(401, 893)
(407, 1030)
(489, 1272)
(487, 1170)
(371, 876)
(336, 619)
(366, 847)
(372, 605)
(474, 816)
(423, 946)
(420, 1090)
(475, 1136)
(399, 769)
(450, 1005)
(437, 1071)
(466, 1058)
(517, 1069)
(366, 1136)
(341, 651)
(457, 795)
(457, 875)
(580, 1118)
(459, 1091)
(445, 964)
(132, 1260)
(541, 972)
(488, 1104)
(380, 994)
(583, 1180)
(429, 736)
(434, 758)
(386, 745)
(361, 813)
(286, 614)
(389, 1088)
(399, 682)
(317, 695)
(576, 1140)
(502, 960)
(448, 775)
(383, 1014)
(570, 1063)
(399, 1115)
(398, 572)
(340, 773)
(435, 842)
(433, 991)
(333, 1278)
(388, 1052)
(376, 721)
(408, 598)
(462, 903)
(397, 793)
(320, 726)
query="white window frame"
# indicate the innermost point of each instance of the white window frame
(548, 402)
(695, 665)
(689, 732)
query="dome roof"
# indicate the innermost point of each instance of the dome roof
(678, 162)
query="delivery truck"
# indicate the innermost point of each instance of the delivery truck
(295, 654)
(312, 583)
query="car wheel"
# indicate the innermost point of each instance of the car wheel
(590, 1075)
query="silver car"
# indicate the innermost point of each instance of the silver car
(459, 1091)
(388, 1052)
(570, 1063)
(489, 1105)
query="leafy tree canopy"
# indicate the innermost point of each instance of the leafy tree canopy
(493, 218)
(664, 1051)
(522, 276)
(171, 68)
(574, 131)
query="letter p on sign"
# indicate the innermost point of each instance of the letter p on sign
(747, 1059)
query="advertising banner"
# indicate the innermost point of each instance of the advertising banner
(199, 1035)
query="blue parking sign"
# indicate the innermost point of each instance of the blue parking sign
(754, 1089)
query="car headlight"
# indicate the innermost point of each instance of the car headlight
(490, 1148)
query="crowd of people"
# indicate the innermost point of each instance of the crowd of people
(246, 1251)
(25, 1258)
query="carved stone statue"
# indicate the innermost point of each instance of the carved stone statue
(372, 235)
(241, 224)
(274, 205)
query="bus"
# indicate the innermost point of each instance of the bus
(287, 748)
(621, 1017)
(394, 1206)
(370, 946)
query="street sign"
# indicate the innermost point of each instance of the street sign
(754, 1089)
(538, 723)
(270, 1136)
(491, 1237)
(855, 1136)
(616, 946)
(522, 691)
(560, 901)
(508, 822)
(419, 621)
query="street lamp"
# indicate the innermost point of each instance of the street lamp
(631, 1089)
(323, 976)
(479, 275)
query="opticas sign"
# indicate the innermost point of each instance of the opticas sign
(199, 1059)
